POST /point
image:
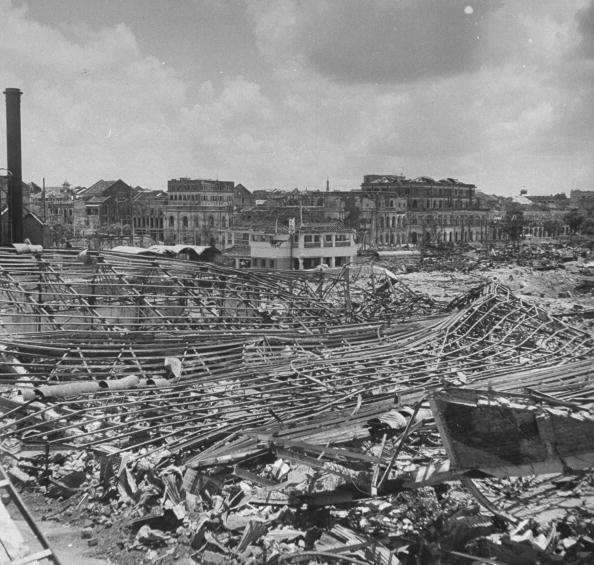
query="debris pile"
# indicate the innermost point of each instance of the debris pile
(227, 416)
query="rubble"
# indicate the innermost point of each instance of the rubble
(190, 412)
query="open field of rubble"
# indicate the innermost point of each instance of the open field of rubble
(165, 411)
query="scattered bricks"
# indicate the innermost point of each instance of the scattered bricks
(92, 542)
(87, 533)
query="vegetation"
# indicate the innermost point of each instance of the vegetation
(513, 222)
(574, 219)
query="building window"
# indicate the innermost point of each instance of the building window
(340, 261)
(343, 240)
(311, 240)
(171, 221)
(184, 221)
(328, 241)
(311, 262)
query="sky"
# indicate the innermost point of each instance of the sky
(289, 93)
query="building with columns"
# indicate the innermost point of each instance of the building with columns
(198, 210)
(396, 210)
(283, 247)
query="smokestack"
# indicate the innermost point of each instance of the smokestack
(14, 164)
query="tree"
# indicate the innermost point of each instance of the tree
(574, 219)
(552, 227)
(513, 222)
(114, 229)
(59, 234)
(588, 226)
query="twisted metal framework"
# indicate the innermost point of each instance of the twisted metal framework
(124, 293)
(95, 381)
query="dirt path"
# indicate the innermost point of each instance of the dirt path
(65, 540)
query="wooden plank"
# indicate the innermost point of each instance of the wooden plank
(12, 544)
(34, 557)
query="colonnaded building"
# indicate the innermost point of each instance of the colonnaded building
(395, 210)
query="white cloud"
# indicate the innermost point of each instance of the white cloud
(508, 103)
(93, 106)
(512, 107)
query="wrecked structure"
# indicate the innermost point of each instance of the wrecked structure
(212, 404)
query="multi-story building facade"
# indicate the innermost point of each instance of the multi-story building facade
(149, 215)
(279, 247)
(104, 204)
(420, 210)
(329, 205)
(198, 211)
(382, 220)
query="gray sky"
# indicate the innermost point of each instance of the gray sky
(284, 93)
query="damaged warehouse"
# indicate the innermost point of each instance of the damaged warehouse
(187, 410)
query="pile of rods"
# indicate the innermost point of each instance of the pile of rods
(233, 381)
(117, 292)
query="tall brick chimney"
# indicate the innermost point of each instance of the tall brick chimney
(14, 164)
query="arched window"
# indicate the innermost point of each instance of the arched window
(184, 221)
(171, 221)
(210, 221)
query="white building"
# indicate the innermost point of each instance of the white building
(310, 246)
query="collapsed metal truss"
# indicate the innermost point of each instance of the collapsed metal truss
(105, 380)
(115, 292)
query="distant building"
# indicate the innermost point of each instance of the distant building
(549, 202)
(329, 205)
(34, 227)
(421, 210)
(149, 215)
(582, 200)
(242, 197)
(278, 247)
(198, 210)
(105, 203)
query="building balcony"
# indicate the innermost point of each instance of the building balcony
(343, 243)
(308, 244)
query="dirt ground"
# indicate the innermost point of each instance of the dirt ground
(556, 290)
